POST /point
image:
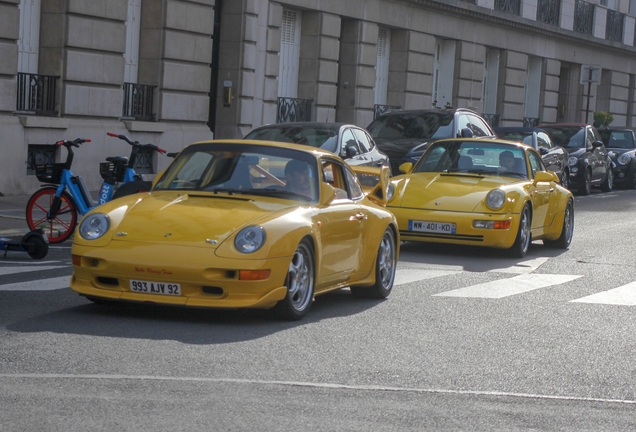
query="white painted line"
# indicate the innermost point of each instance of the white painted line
(20, 269)
(405, 276)
(39, 285)
(624, 295)
(510, 286)
(523, 267)
(28, 263)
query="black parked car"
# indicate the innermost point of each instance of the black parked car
(589, 161)
(621, 146)
(404, 135)
(555, 158)
(352, 143)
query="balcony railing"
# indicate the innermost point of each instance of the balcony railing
(378, 110)
(531, 121)
(548, 11)
(510, 6)
(614, 27)
(583, 17)
(138, 101)
(471, 1)
(293, 110)
(36, 93)
(492, 119)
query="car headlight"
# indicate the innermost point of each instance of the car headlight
(94, 226)
(495, 199)
(390, 193)
(250, 239)
(625, 158)
(572, 161)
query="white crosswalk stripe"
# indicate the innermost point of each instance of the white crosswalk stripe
(624, 295)
(509, 286)
(20, 269)
(405, 276)
(38, 285)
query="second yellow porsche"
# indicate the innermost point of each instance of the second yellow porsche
(491, 193)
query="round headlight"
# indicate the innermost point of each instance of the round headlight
(572, 161)
(495, 199)
(390, 193)
(94, 226)
(250, 239)
(625, 158)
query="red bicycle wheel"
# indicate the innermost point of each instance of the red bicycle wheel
(62, 225)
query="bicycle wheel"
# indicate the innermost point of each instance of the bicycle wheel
(59, 227)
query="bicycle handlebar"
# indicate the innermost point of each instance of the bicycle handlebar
(75, 143)
(136, 143)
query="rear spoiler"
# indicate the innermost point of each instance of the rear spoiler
(375, 182)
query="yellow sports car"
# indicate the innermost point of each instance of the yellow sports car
(241, 224)
(482, 192)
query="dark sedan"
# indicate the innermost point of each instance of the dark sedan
(404, 135)
(621, 146)
(589, 161)
(555, 158)
(352, 143)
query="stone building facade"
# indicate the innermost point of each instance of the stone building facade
(218, 68)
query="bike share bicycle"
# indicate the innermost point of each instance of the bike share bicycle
(55, 206)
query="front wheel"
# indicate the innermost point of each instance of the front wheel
(524, 236)
(385, 265)
(608, 184)
(60, 224)
(300, 284)
(586, 187)
(564, 240)
(565, 179)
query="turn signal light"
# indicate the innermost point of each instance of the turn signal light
(254, 274)
(498, 225)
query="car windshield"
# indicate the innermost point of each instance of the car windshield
(617, 139)
(474, 157)
(567, 136)
(238, 169)
(524, 137)
(425, 126)
(324, 137)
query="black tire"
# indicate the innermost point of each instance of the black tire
(565, 179)
(40, 247)
(567, 231)
(300, 282)
(586, 187)
(631, 181)
(385, 266)
(524, 235)
(59, 227)
(132, 188)
(608, 181)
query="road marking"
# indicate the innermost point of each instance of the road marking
(405, 276)
(20, 269)
(509, 286)
(39, 285)
(624, 295)
(523, 267)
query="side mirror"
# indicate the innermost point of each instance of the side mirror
(545, 176)
(596, 144)
(467, 133)
(327, 194)
(351, 151)
(406, 167)
(543, 151)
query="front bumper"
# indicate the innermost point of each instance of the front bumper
(623, 174)
(206, 280)
(465, 233)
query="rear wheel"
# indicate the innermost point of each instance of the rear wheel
(586, 187)
(61, 224)
(385, 266)
(565, 179)
(524, 236)
(40, 247)
(608, 184)
(564, 240)
(300, 283)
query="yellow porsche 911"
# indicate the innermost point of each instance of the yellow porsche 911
(491, 193)
(241, 224)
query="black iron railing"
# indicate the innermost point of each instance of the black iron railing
(471, 1)
(531, 121)
(138, 101)
(583, 17)
(143, 162)
(492, 119)
(614, 26)
(293, 110)
(36, 93)
(378, 110)
(548, 11)
(510, 6)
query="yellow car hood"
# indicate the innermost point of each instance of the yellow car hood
(190, 219)
(448, 192)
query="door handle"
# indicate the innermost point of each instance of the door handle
(358, 217)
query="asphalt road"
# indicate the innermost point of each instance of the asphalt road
(468, 340)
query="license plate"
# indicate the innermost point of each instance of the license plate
(432, 227)
(148, 287)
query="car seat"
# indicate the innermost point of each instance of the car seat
(465, 163)
(520, 167)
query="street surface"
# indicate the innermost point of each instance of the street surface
(468, 340)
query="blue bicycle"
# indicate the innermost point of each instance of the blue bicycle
(55, 207)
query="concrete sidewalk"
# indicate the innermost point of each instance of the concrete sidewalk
(13, 215)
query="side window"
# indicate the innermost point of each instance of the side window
(589, 138)
(544, 140)
(332, 173)
(348, 140)
(479, 128)
(355, 190)
(535, 163)
(462, 122)
(363, 140)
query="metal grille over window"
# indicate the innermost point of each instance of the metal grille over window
(36, 93)
(289, 26)
(510, 6)
(531, 121)
(138, 101)
(548, 11)
(293, 110)
(40, 154)
(378, 110)
(583, 17)
(143, 163)
(492, 119)
(614, 28)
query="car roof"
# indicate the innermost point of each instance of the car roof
(488, 140)
(306, 124)
(431, 110)
(519, 129)
(300, 147)
(563, 125)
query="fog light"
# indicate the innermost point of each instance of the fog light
(621, 175)
(573, 170)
